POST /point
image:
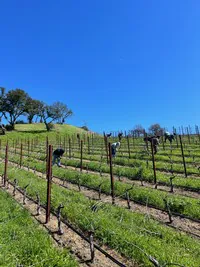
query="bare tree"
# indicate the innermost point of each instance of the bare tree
(155, 129)
(62, 111)
(138, 130)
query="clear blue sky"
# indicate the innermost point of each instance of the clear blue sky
(114, 63)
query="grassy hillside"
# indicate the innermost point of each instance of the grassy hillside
(39, 129)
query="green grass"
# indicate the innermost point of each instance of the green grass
(23, 243)
(178, 204)
(115, 226)
(38, 130)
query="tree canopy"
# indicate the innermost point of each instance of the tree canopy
(17, 102)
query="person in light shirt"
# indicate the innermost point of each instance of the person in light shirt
(114, 148)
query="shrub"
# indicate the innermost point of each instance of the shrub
(84, 128)
(21, 122)
(9, 127)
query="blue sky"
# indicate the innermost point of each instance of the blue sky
(114, 63)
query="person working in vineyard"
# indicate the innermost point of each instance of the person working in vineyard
(57, 154)
(155, 142)
(114, 148)
(169, 137)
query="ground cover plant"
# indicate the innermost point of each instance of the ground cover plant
(134, 235)
(23, 243)
(116, 226)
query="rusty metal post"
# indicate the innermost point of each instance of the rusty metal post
(47, 153)
(92, 252)
(188, 134)
(6, 166)
(20, 162)
(70, 148)
(153, 161)
(88, 141)
(28, 147)
(185, 170)
(129, 153)
(92, 144)
(81, 163)
(49, 178)
(111, 175)
(197, 131)
(163, 143)
(106, 147)
(64, 143)
(146, 141)
(60, 230)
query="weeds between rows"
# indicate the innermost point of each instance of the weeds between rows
(178, 204)
(23, 243)
(141, 172)
(120, 229)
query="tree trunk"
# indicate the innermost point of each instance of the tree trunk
(30, 119)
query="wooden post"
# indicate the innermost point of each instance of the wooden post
(129, 153)
(92, 144)
(70, 148)
(153, 161)
(106, 147)
(111, 175)
(6, 166)
(88, 141)
(81, 163)
(49, 178)
(91, 233)
(47, 153)
(20, 162)
(163, 142)
(188, 134)
(146, 141)
(28, 147)
(185, 170)
(198, 133)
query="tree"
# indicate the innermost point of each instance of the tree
(155, 129)
(138, 130)
(62, 111)
(48, 114)
(33, 108)
(14, 105)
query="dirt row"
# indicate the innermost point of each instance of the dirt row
(77, 246)
(165, 188)
(181, 224)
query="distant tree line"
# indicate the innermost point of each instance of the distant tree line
(15, 103)
(154, 129)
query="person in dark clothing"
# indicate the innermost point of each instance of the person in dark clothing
(57, 154)
(120, 136)
(155, 142)
(169, 137)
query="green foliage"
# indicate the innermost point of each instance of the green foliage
(115, 226)
(14, 105)
(9, 127)
(23, 242)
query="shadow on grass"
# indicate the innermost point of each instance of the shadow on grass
(33, 132)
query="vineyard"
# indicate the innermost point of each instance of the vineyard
(137, 209)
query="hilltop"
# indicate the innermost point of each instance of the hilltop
(39, 129)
